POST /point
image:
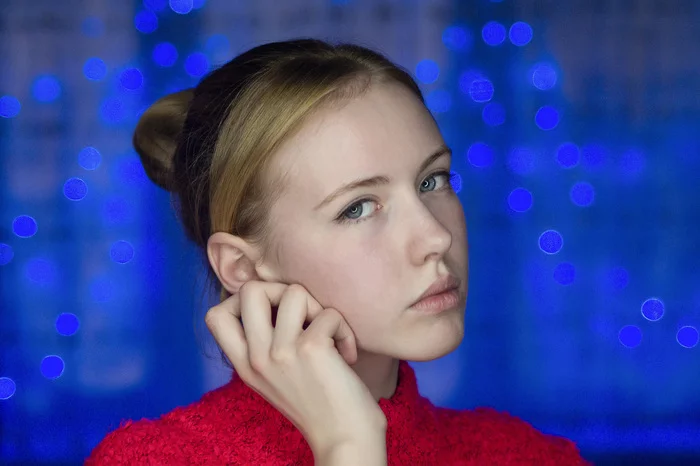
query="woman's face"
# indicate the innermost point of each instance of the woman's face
(370, 252)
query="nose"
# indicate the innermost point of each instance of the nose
(430, 240)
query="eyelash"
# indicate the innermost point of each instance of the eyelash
(342, 219)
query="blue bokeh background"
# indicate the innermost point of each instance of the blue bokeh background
(574, 126)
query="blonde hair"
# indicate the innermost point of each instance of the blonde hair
(211, 146)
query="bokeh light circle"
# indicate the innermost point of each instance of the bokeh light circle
(480, 155)
(46, 88)
(520, 200)
(7, 388)
(6, 254)
(551, 242)
(568, 155)
(146, 21)
(52, 367)
(653, 309)
(67, 324)
(481, 90)
(565, 273)
(630, 336)
(94, 69)
(165, 54)
(9, 106)
(197, 64)
(427, 71)
(520, 33)
(493, 33)
(547, 118)
(24, 226)
(687, 337)
(75, 189)
(181, 7)
(89, 158)
(121, 252)
(131, 79)
(544, 77)
(582, 194)
(456, 38)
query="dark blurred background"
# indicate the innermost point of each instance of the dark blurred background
(575, 127)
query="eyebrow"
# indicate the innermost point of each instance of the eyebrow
(380, 179)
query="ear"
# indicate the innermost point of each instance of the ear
(235, 261)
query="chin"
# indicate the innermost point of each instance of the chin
(431, 344)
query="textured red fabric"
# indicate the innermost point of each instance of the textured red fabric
(236, 426)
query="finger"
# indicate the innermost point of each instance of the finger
(225, 327)
(332, 327)
(296, 307)
(256, 301)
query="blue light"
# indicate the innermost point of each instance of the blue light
(89, 158)
(181, 7)
(131, 79)
(197, 4)
(653, 309)
(197, 65)
(9, 106)
(521, 161)
(112, 110)
(456, 38)
(551, 242)
(438, 101)
(6, 254)
(632, 164)
(547, 118)
(7, 388)
(594, 155)
(67, 324)
(582, 194)
(619, 278)
(24, 226)
(687, 336)
(155, 5)
(427, 71)
(146, 21)
(165, 54)
(75, 189)
(41, 271)
(92, 26)
(456, 181)
(481, 90)
(520, 200)
(116, 211)
(101, 290)
(130, 171)
(567, 155)
(52, 367)
(480, 155)
(493, 114)
(46, 88)
(630, 336)
(218, 47)
(94, 69)
(493, 33)
(520, 33)
(564, 273)
(544, 77)
(121, 252)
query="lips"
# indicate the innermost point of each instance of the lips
(442, 284)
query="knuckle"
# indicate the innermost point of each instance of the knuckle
(308, 348)
(259, 363)
(248, 286)
(212, 316)
(281, 356)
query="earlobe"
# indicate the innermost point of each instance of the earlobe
(232, 260)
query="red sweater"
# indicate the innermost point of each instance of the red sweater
(236, 426)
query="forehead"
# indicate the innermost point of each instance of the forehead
(383, 131)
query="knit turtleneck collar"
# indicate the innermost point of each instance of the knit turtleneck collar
(404, 409)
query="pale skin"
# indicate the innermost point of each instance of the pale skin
(354, 281)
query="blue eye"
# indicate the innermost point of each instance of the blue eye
(353, 214)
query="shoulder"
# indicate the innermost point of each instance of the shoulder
(174, 438)
(500, 437)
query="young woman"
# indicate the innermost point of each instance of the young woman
(318, 185)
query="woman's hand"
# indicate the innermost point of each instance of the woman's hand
(304, 373)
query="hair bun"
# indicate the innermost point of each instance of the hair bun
(157, 134)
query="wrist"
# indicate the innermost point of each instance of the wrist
(369, 452)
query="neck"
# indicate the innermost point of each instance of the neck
(379, 372)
